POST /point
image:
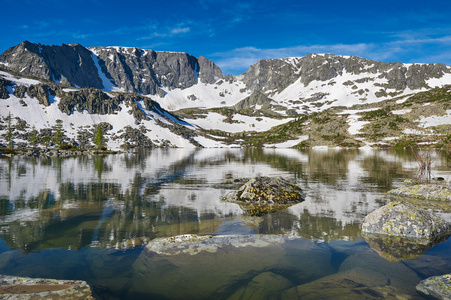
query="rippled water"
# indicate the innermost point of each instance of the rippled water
(90, 218)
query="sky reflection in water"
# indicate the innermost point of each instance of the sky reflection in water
(89, 218)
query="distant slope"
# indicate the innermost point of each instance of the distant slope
(127, 118)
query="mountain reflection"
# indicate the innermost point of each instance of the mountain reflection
(125, 200)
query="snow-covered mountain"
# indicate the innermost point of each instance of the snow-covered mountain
(216, 107)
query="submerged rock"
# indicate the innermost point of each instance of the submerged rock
(405, 220)
(266, 285)
(437, 286)
(357, 283)
(12, 287)
(266, 190)
(395, 249)
(202, 267)
(193, 244)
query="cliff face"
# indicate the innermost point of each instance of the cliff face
(68, 64)
(110, 68)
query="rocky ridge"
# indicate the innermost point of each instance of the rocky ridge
(123, 69)
(316, 100)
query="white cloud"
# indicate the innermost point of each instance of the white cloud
(179, 30)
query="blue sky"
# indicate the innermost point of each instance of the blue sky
(236, 34)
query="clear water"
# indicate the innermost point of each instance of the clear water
(90, 218)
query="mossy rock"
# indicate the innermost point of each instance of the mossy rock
(437, 286)
(405, 220)
(424, 191)
(267, 191)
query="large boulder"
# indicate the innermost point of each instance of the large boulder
(267, 190)
(263, 195)
(405, 220)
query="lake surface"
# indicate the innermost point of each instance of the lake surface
(90, 218)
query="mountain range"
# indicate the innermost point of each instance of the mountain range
(160, 99)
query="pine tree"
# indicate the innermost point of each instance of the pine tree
(58, 132)
(34, 137)
(98, 139)
(9, 132)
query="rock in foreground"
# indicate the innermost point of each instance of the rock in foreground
(12, 287)
(406, 221)
(267, 191)
(437, 286)
(193, 244)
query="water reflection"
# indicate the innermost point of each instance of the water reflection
(108, 200)
(89, 218)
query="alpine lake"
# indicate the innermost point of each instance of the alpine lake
(93, 218)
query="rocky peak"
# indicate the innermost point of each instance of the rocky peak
(274, 75)
(126, 69)
(208, 71)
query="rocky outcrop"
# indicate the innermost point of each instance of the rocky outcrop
(12, 287)
(438, 286)
(4, 93)
(405, 220)
(92, 100)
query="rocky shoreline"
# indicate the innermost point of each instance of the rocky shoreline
(56, 153)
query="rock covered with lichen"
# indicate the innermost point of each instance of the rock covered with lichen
(424, 191)
(405, 220)
(437, 286)
(267, 191)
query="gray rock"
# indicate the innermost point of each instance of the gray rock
(437, 286)
(398, 219)
(12, 287)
